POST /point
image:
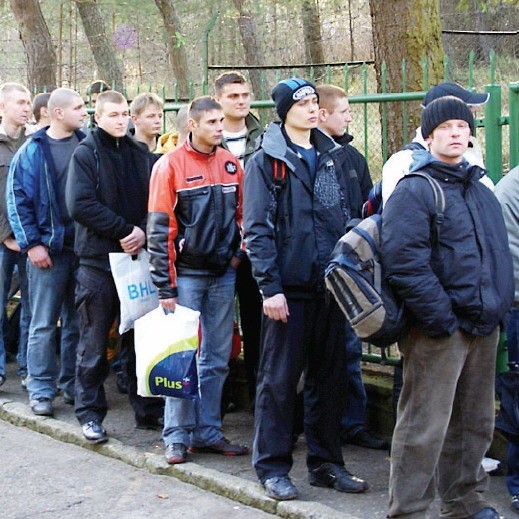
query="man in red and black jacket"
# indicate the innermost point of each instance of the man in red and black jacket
(194, 242)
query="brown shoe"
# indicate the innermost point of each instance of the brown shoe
(223, 446)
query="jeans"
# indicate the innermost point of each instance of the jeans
(8, 260)
(512, 332)
(354, 417)
(51, 295)
(198, 422)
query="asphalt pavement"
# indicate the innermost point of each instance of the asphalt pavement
(231, 477)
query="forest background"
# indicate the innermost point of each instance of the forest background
(177, 48)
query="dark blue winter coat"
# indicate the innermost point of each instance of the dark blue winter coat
(290, 234)
(466, 280)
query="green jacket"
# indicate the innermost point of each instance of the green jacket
(254, 130)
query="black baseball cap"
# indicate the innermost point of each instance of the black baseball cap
(453, 89)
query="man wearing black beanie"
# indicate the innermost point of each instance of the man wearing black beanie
(296, 207)
(455, 277)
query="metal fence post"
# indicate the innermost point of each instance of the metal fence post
(493, 133)
(205, 52)
(513, 119)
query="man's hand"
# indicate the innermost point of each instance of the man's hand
(169, 304)
(235, 262)
(133, 243)
(39, 257)
(12, 244)
(276, 308)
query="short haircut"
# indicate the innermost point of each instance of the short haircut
(61, 98)
(97, 87)
(40, 101)
(201, 105)
(329, 95)
(142, 101)
(228, 78)
(7, 88)
(109, 96)
(181, 120)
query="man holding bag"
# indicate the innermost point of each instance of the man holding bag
(107, 191)
(194, 243)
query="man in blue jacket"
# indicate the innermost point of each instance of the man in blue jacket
(295, 209)
(44, 229)
(455, 277)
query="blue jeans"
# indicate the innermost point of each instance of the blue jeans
(51, 294)
(512, 333)
(8, 260)
(198, 422)
(354, 416)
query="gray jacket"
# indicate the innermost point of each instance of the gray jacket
(507, 192)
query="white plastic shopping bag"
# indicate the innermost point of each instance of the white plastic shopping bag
(135, 289)
(165, 349)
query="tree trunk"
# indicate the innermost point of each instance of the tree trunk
(35, 35)
(102, 49)
(312, 36)
(177, 56)
(254, 54)
(410, 30)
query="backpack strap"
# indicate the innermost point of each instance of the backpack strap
(279, 174)
(439, 202)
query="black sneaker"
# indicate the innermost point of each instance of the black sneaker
(223, 446)
(364, 439)
(94, 432)
(149, 423)
(337, 477)
(515, 503)
(42, 407)
(176, 453)
(2, 380)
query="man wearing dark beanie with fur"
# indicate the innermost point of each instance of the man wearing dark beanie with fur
(455, 278)
(295, 209)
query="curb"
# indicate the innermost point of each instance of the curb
(231, 487)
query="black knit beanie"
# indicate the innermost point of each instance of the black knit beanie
(290, 91)
(445, 109)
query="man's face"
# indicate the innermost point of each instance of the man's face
(303, 115)
(73, 115)
(149, 121)
(113, 119)
(449, 141)
(16, 108)
(207, 132)
(235, 100)
(336, 122)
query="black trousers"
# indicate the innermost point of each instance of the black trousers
(251, 310)
(98, 306)
(313, 341)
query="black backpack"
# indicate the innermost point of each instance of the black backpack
(355, 278)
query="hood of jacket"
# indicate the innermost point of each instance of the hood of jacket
(275, 145)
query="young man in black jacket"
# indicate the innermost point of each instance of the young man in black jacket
(455, 277)
(107, 195)
(334, 118)
(291, 227)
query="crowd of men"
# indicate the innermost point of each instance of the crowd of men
(231, 211)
